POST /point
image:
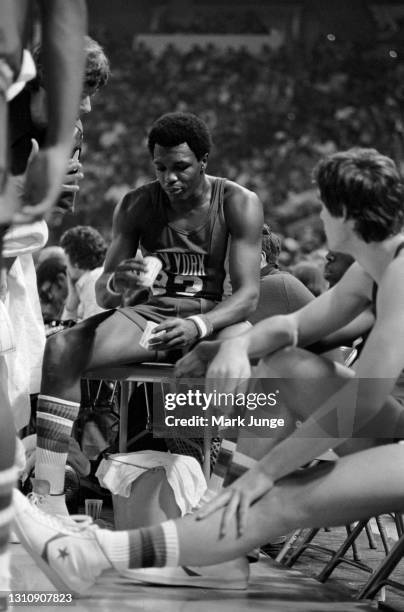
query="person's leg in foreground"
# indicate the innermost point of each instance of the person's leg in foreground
(100, 341)
(8, 477)
(309, 498)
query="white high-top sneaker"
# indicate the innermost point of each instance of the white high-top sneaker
(68, 553)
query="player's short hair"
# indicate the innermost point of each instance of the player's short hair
(271, 245)
(365, 186)
(97, 68)
(85, 246)
(172, 129)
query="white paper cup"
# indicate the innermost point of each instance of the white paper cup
(92, 507)
(153, 267)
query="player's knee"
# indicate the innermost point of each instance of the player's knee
(59, 350)
(293, 362)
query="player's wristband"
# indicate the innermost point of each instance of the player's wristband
(110, 286)
(203, 324)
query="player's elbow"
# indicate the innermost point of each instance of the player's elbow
(251, 300)
(101, 294)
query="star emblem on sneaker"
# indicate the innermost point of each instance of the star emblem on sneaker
(63, 553)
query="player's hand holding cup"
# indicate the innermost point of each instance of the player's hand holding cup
(136, 272)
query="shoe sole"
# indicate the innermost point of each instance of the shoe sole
(50, 573)
(194, 581)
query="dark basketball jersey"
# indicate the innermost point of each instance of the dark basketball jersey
(193, 261)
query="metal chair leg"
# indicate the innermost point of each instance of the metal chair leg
(339, 556)
(302, 547)
(371, 540)
(380, 576)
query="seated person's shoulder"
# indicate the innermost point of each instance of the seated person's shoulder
(242, 208)
(291, 284)
(235, 192)
(280, 293)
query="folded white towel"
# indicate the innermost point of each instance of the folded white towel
(184, 475)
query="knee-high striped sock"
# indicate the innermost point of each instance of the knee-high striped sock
(55, 418)
(155, 546)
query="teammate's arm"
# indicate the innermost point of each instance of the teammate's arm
(64, 25)
(362, 400)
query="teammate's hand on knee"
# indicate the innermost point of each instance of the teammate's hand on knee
(194, 363)
(237, 499)
(230, 369)
(178, 333)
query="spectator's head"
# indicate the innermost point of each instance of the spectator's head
(52, 288)
(54, 252)
(179, 144)
(336, 265)
(310, 275)
(96, 75)
(363, 186)
(85, 249)
(271, 247)
(174, 129)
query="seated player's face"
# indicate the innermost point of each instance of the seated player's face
(336, 265)
(178, 171)
(52, 296)
(335, 230)
(39, 111)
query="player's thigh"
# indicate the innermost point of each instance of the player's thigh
(108, 338)
(116, 341)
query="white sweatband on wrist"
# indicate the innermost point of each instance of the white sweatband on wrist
(204, 326)
(109, 287)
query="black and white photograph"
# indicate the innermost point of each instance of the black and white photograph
(202, 305)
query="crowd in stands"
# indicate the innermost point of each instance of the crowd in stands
(273, 115)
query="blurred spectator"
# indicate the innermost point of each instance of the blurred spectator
(310, 275)
(85, 250)
(287, 110)
(52, 288)
(280, 292)
(51, 251)
(336, 265)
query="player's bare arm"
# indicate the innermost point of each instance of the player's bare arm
(64, 26)
(120, 265)
(244, 218)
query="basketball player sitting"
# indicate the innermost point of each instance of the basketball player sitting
(186, 218)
